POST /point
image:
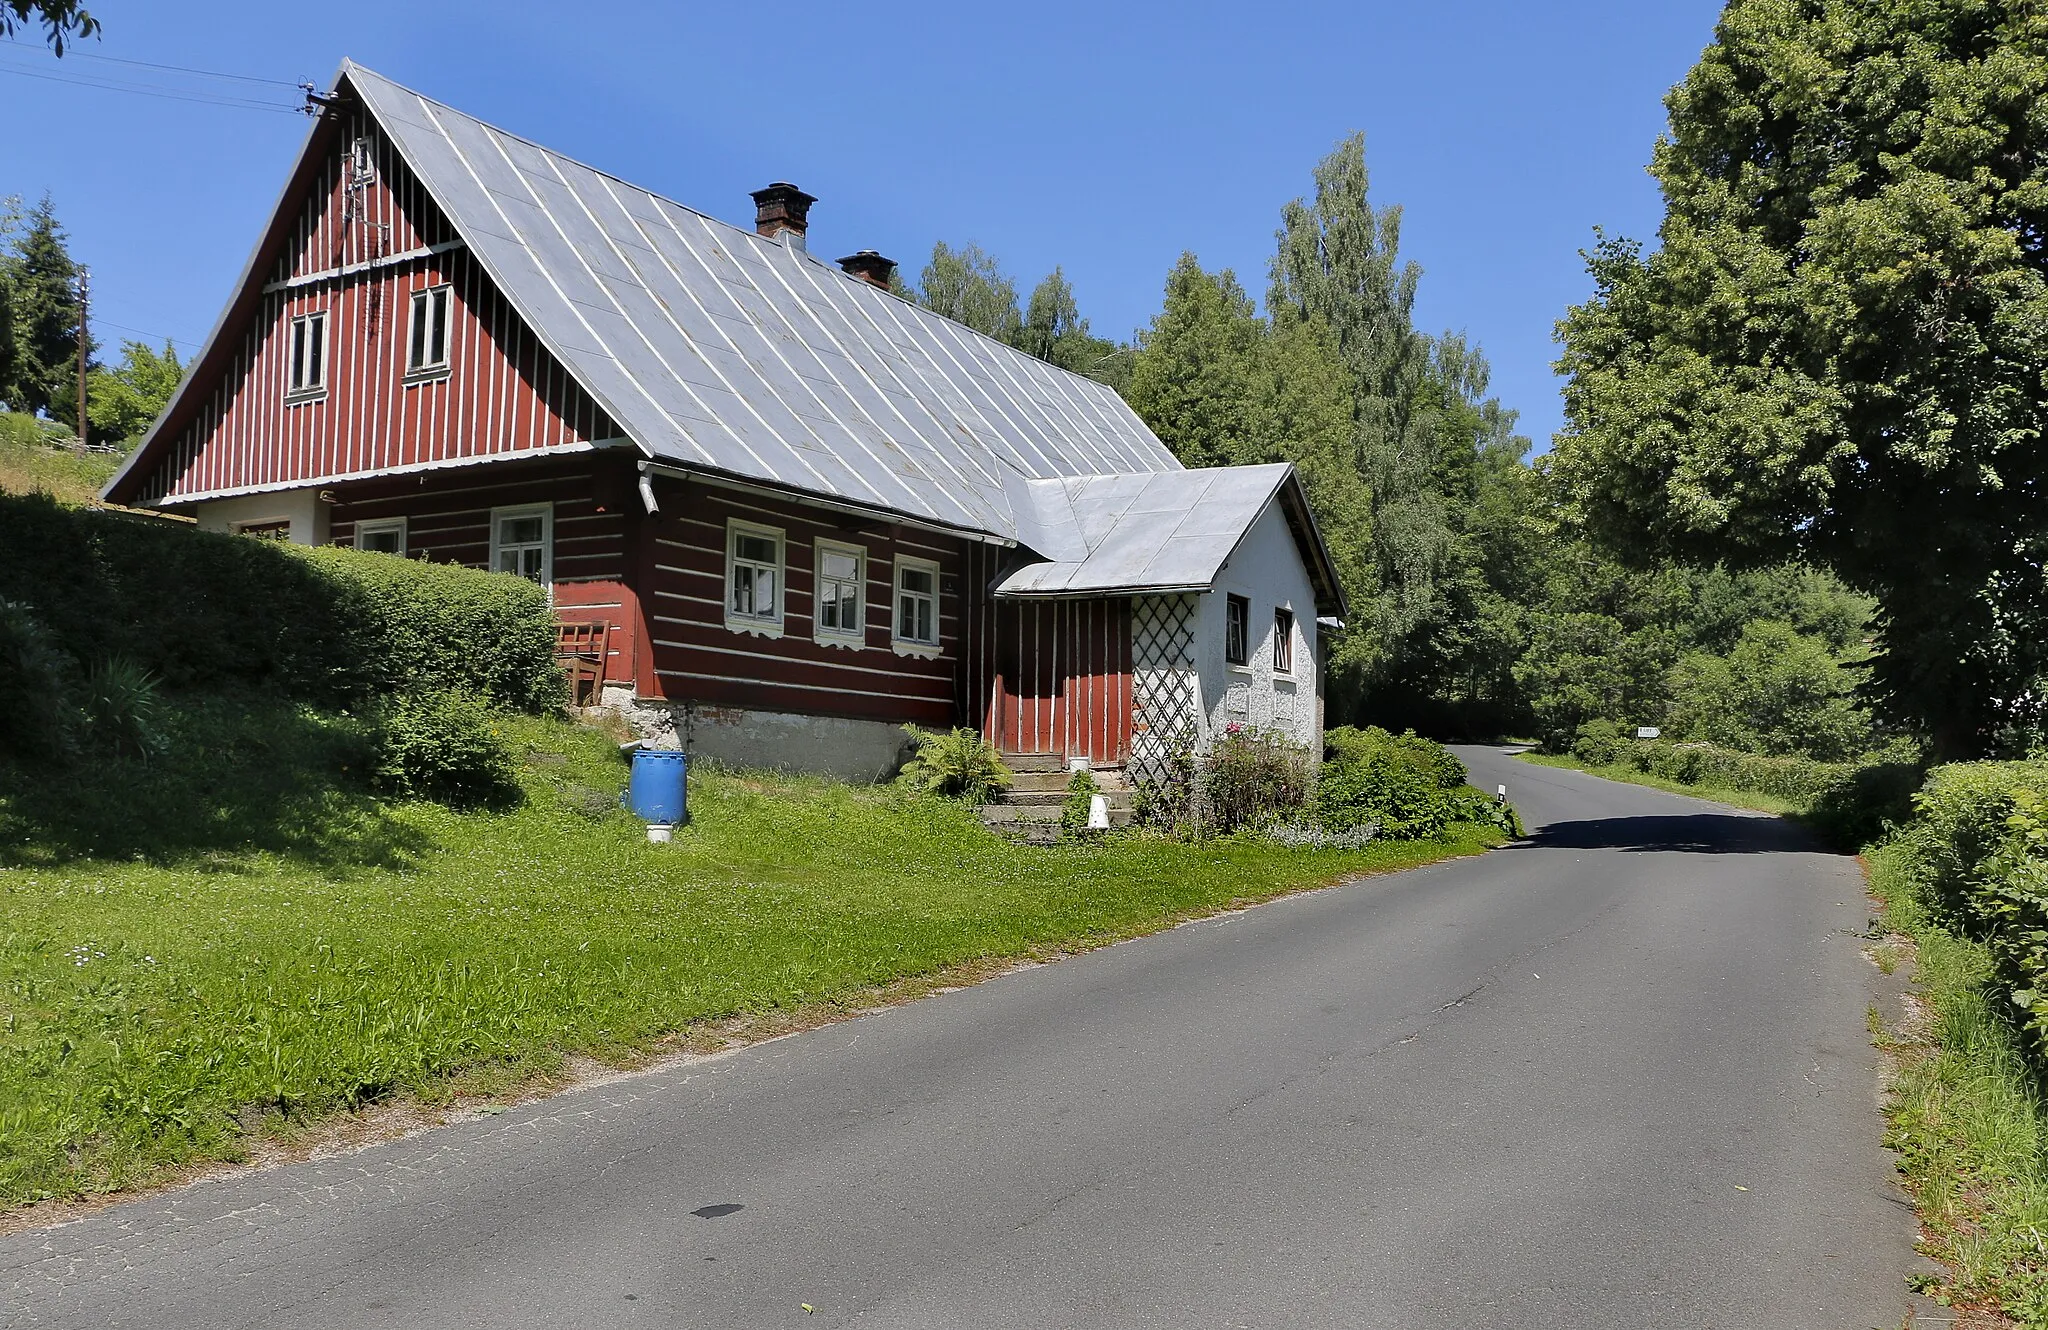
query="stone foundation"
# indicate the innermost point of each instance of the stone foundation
(855, 750)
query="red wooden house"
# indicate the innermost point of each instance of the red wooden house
(806, 510)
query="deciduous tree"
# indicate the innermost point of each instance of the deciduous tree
(62, 20)
(1836, 354)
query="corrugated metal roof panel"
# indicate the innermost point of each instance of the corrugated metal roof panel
(668, 317)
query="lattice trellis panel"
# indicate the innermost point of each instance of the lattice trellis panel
(1166, 708)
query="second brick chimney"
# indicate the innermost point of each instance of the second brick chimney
(783, 211)
(870, 267)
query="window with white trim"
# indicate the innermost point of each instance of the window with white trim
(1283, 641)
(753, 575)
(523, 542)
(427, 348)
(384, 535)
(306, 356)
(917, 602)
(841, 601)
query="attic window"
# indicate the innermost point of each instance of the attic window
(1237, 630)
(1283, 641)
(306, 358)
(427, 348)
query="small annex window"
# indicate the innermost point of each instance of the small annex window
(382, 535)
(917, 605)
(753, 577)
(306, 358)
(1283, 641)
(427, 348)
(1237, 630)
(841, 600)
(523, 542)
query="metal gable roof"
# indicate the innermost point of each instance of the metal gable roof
(1157, 529)
(716, 348)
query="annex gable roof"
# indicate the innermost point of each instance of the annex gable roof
(1157, 531)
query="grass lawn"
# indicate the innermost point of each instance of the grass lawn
(171, 994)
(1756, 800)
(33, 457)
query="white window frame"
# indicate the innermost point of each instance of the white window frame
(377, 525)
(546, 513)
(912, 646)
(1283, 643)
(856, 636)
(433, 305)
(314, 387)
(765, 624)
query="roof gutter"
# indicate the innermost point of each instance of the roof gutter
(808, 499)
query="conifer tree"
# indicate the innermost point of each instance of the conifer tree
(44, 283)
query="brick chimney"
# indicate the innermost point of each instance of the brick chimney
(870, 267)
(783, 211)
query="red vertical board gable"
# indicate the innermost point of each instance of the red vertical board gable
(364, 238)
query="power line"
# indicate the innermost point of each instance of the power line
(145, 90)
(142, 332)
(146, 64)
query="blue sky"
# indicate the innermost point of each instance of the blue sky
(1103, 137)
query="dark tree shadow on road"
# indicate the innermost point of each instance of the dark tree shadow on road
(1691, 833)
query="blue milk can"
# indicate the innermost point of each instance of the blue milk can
(657, 792)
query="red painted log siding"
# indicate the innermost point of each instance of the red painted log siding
(1064, 682)
(698, 659)
(502, 395)
(448, 520)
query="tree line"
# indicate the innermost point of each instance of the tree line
(1479, 608)
(39, 332)
(1800, 502)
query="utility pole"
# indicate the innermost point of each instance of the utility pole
(84, 297)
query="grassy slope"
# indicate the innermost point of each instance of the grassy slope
(157, 1008)
(33, 457)
(1753, 799)
(1966, 1117)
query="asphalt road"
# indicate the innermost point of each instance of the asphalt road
(1618, 1076)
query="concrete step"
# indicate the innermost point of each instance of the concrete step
(1016, 798)
(1040, 814)
(1109, 778)
(1034, 762)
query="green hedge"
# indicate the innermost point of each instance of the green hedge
(1408, 787)
(325, 627)
(1978, 856)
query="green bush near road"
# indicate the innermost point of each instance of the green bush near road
(1965, 883)
(175, 989)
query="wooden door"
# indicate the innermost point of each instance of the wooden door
(1032, 677)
